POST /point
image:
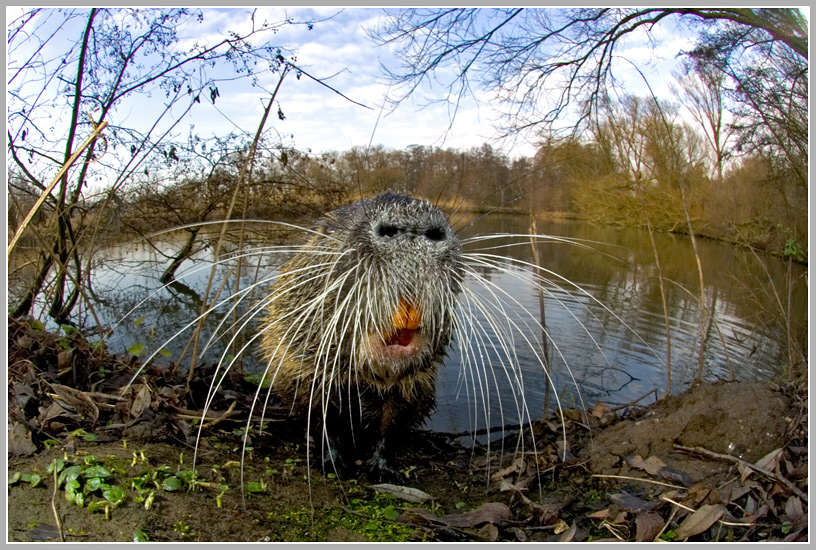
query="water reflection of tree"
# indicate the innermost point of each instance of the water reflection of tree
(147, 312)
(631, 289)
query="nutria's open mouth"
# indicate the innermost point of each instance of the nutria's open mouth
(405, 324)
(395, 351)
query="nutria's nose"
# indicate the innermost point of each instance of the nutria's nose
(434, 233)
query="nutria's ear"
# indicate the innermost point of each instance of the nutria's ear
(328, 226)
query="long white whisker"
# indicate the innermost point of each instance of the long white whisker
(489, 259)
(496, 291)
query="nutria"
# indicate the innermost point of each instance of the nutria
(357, 324)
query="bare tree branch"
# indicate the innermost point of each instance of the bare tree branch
(539, 62)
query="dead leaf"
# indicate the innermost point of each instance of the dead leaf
(548, 511)
(54, 410)
(599, 410)
(64, 358)
(569, 534)
(525, 483)
(19, 441)
(729, 493)
(651, 466)
(794, 509)
(744, 471)
(677, 476)
(408, 494)
(141, 401)
(496, 513)
(656, 467)
(171, 394)
(24, 343)
(795, 536)
(505, 486)
(22, 395)
(489, 533)
(564, 453)
(778, 489)
(43, 531)
(554, 427)
(560, 527)
(518, 466)
(75, 401)
(755, 514)
(521, 535)
(632, 503)
(750, 505)
(600, 514)
(573, 414)
(699, 521)
(770, 461)
(648, 525)
(698, 494)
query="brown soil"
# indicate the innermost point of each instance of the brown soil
(677, 470)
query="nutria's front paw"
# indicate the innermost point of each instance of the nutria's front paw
(331, 462)
(377, 470)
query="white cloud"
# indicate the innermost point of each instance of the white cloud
(338, 49)
(322, 120)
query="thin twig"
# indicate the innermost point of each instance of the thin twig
(193, 415)
(97, 131)
(635, 400)
(666, 525)
(322, 83)
(54, 505)
(224, 416)
(629, 478)
(541, 307)
(665, 305)
(246, 173)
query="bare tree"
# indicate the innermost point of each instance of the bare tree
(61, 83)
(702, 91)
(768, 87)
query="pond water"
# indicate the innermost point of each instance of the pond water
(602, 307)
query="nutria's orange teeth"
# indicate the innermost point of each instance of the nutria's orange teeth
(407, 316)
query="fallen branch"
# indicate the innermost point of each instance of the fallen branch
(728, 458)
(212, 421)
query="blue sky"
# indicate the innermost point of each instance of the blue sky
(321, 120)
(338, 47)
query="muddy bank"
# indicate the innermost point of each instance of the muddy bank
(721, 462)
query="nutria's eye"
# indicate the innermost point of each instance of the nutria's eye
(435, 234)
(385, 230)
